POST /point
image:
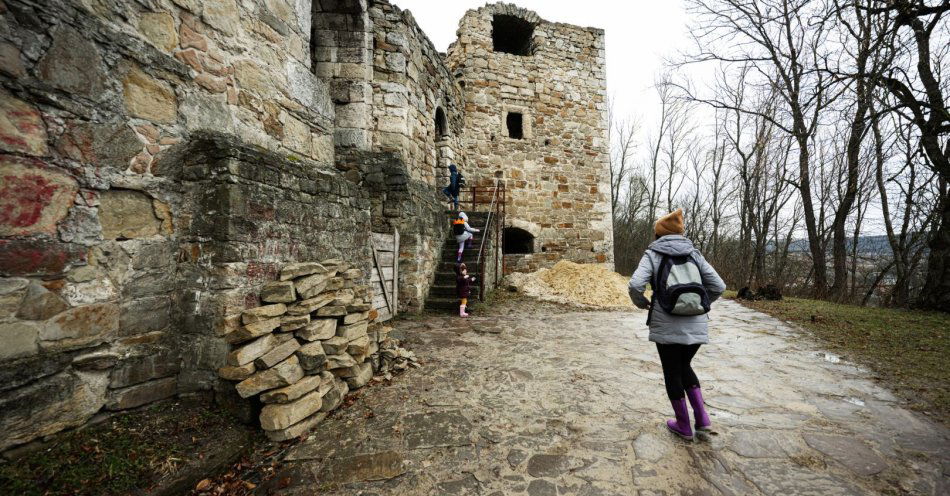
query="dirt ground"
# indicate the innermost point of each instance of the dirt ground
(536, 399)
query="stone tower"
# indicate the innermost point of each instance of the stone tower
(536, 117)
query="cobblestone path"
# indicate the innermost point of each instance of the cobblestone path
(539, 401)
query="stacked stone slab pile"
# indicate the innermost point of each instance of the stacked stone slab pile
(308, 345)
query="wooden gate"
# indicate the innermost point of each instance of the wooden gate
(385, 274)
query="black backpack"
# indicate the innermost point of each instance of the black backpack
(678, 287)
(458, 226)
(461, 181)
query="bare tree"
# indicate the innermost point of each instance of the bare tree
(919, 93)
(622, 132)
(781, 45)
(862, 39)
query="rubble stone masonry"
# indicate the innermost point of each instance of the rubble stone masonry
(162, 161)
(557, 171)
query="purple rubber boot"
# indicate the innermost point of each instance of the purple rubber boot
(695, 395)
(680, 425)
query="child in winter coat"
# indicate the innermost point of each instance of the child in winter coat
(463, 233)
(679, 333)
(463, 287)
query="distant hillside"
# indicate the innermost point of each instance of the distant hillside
(867, 245)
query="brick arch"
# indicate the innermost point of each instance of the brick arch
(341, 47)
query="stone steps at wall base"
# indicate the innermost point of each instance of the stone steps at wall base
(442, 295)
(449, 292)
(442, 304)
(448, 258)
(448, 278)
(471, 215)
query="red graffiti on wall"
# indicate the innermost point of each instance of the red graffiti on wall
(23, 198)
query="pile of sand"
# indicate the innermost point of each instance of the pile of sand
(579, 284)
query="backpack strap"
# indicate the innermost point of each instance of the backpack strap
(653, 278)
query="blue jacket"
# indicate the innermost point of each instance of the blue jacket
(453, 180)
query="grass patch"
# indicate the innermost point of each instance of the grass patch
(908, 349)
(128, 453)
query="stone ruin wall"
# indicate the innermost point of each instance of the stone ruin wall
(410, 81)
(162, 161)
(557, 176)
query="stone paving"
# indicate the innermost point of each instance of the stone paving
(531, 399)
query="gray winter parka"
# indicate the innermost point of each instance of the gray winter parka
(666, 328)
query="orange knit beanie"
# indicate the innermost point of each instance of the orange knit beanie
(670, 224)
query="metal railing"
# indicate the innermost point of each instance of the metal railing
(493, 223)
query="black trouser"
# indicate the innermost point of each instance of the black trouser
(677, 373)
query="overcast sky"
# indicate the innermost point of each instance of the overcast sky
(639, 35)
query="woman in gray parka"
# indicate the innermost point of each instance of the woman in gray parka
(677, 337)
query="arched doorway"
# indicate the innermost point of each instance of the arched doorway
(441, 124)
(517, 241)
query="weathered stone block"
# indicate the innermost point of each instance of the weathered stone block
(40, 303)
(359, 375)
(353, 318)
(358, 347)
(294, 322)
(149, 98)
(253, 330)
(236, 373)
(142, 394)
(342, 297)
(150, 283)
(298, 429)
(10, 62)
(352, 331)
(312, 357)
(33, 197)
(278, 354)
(50, 405)
(312, 285)
(144, 315)
(19, 339)
(283, 374)
(340, 361)
(310, 305)
(81, 326)
(359, 307)
(334, 397)
(281, 416)
(252, 77)
(318, 329)
(73, 64)
(96, 361)
(296, 270)
(278, 292)
(12, 292)
(335, 345)
(159, 28)
(141, 369)
(251, 351)
(127, 214)
(352, 274)
(21, 127)
(263, 313)
(335, 283)
(294, 391)
(336, 264)
(332, 311)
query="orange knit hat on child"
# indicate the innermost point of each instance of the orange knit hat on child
(670, 224)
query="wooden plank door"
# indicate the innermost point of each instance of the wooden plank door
(385, 274)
